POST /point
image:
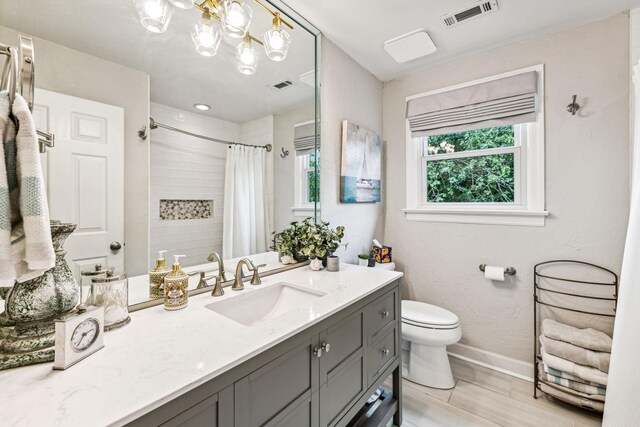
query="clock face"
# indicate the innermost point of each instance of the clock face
(85, 334)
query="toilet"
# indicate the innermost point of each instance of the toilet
(427, 330)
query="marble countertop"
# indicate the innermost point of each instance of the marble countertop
(163, 354)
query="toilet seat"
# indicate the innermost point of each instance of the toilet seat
(428, 316)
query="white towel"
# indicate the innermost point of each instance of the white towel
(31, 251)
(586, 338)
(584, 372)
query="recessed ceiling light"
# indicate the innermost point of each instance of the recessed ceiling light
(202, 107)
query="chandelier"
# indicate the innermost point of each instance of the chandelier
(229, 17)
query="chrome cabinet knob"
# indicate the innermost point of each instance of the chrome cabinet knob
(115, 246)
(385, 313)
(326, 347)
(385, 351)
(317, 352)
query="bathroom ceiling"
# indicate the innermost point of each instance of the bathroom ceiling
(179, 76)
(361, 27)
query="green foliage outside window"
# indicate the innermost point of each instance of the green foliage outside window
(481, 179)
(313, 180)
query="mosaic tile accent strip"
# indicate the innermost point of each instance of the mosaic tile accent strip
(185, 209)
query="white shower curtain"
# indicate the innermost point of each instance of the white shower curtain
(246, 227)
(623, 389)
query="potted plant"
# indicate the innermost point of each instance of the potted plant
(363, 260)
(308, 240)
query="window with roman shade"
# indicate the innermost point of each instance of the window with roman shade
(501, 102)
(304, 138)
(475, 151)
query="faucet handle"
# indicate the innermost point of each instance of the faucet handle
(217, 288)
(255, 280)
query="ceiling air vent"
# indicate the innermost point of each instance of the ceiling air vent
(283, 84)
(469, 12)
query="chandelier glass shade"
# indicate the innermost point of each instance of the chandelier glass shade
(154, 15)
(235, 16)
(206, 35)
(276, 41)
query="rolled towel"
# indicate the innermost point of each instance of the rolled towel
(568, 376)
(573, 385)
(572, 398)
(586, 338)
(597, 359)
(585, 372)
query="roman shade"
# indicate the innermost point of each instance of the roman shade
(501, 102)
(303, 138)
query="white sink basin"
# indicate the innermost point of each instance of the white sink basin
(266, 303)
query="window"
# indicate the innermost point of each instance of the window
(306, 184)
(491, 175)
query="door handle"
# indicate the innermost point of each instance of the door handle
(317, 352)
(326, 347)
(115, 246)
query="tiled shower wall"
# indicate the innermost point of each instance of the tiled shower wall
(187, 172)
(188, 168)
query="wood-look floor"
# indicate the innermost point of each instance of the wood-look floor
(484, 397)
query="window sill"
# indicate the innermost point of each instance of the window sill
(305, 211)
(478, 216)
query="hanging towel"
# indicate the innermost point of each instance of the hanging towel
(573, 399)
(31, 251)
(597, 359)
(586, 338)
(7, 136)
(584, 372)
(568, 376)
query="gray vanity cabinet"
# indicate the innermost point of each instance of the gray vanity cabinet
(342, 373)
(320, 377)
(270, 395)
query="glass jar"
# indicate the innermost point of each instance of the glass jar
(85, 283)
(111, 292)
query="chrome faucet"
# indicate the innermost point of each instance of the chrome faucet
(237, 283)
(222, 275)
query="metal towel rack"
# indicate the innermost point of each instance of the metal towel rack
(18, 76)
(575, 292)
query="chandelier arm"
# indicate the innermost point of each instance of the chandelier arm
(273, 13)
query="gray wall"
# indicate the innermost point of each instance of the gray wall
(284, 168)
(74, 73)
(587, 189)
(348, 92)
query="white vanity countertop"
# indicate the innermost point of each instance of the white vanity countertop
(163, 354)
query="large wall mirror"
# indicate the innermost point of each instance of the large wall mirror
(173, 132)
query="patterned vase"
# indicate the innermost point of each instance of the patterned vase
(27, 325)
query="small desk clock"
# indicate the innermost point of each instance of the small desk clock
(78, 335)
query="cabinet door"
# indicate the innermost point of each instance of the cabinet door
(342, 374)
(269, 394)
(204, 414)
(305, 414)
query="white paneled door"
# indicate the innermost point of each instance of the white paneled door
(84, 176)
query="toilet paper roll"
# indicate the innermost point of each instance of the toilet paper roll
(493, 272)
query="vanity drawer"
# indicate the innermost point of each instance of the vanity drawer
(380, 354)
(381, 313)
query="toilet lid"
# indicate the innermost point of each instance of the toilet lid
(427, 314)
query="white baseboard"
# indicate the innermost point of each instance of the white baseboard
(497, 362)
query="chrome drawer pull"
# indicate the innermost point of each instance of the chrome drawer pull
(317, 352)
(326, 347)
(385, 313)
(385, 351)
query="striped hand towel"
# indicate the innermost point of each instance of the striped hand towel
(574, 385)
(569, 376)
(26, 219)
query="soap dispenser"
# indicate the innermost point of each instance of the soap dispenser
(156, 277)
(176, 287)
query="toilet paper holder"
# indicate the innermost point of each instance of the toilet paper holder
(509, 270)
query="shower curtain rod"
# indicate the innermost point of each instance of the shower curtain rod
(155, 125)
